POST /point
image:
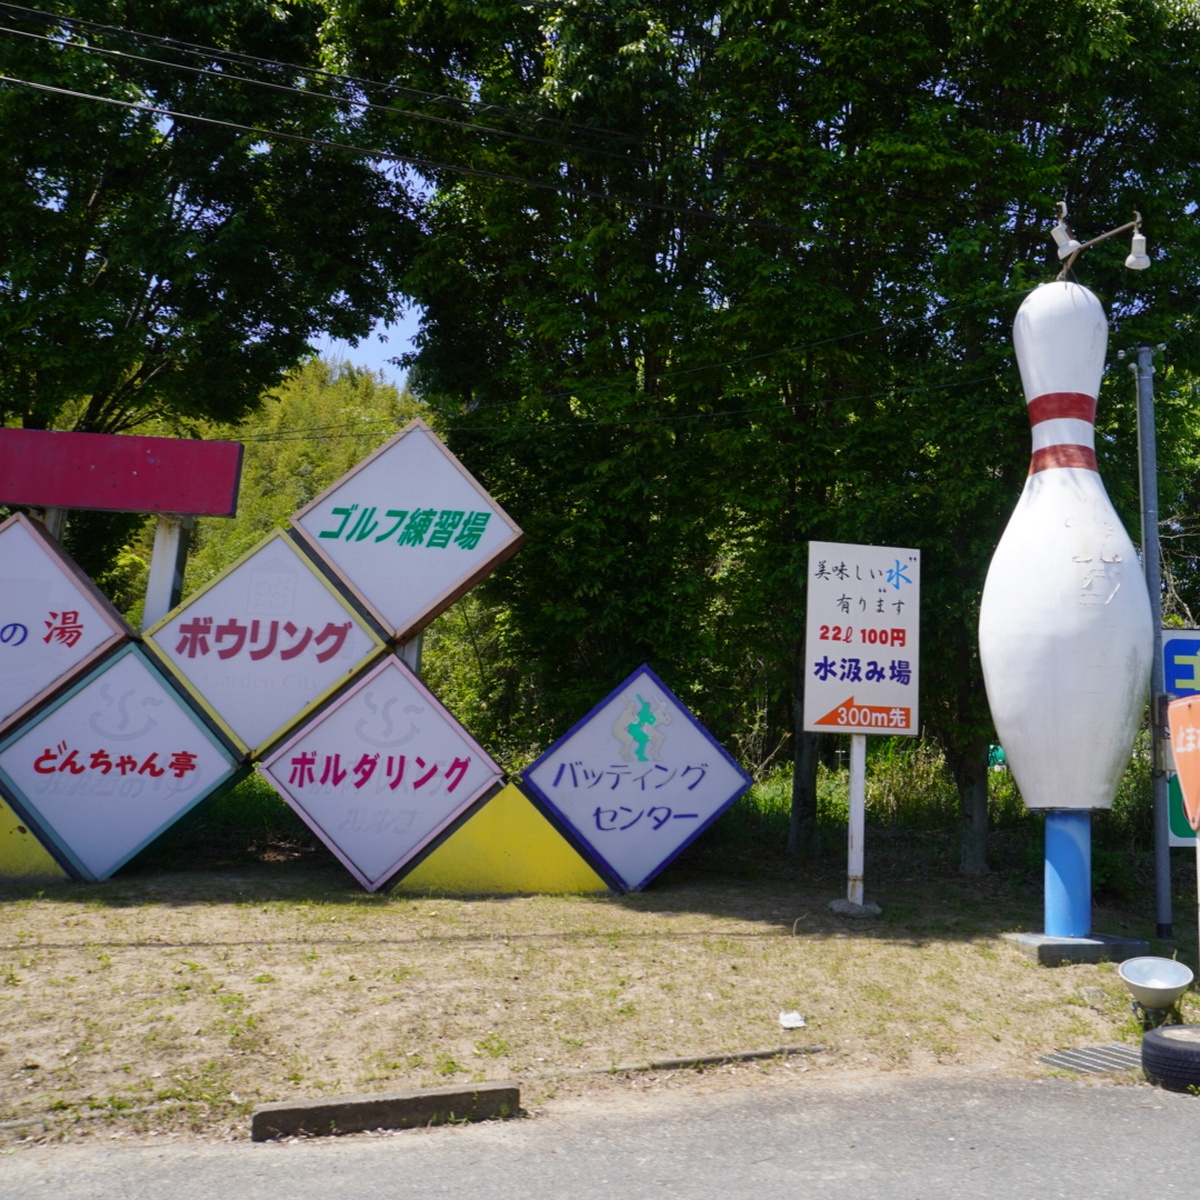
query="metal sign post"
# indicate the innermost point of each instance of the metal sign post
(858, 818)
(1148, 482)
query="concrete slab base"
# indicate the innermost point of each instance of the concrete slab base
(384, 1110)
(1097, 947)
(846, 908)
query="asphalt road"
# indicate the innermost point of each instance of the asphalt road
(889, 1137)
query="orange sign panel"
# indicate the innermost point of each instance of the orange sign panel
(1183, 716)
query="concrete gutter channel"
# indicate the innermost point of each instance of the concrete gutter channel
(450, 1105)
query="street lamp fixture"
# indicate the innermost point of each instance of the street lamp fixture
(1069, 248)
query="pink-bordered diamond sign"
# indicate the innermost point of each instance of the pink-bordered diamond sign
(407, 531)
(380, 772)
(110, 765)
(54, 622)
(636, 780)
(263, 642)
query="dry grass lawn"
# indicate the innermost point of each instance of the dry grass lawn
(171, 1002)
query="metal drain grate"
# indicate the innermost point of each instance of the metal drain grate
(1096, 1060)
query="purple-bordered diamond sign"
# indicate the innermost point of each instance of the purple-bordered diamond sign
(112, 764)
(381, 772)
(637, 779)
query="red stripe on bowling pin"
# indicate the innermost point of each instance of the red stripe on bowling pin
(1062, 456)
(1062, 404)
(1064, 431)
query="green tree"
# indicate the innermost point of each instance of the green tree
(308, 432)
(155, 265)
(757, 288)
(321, 421)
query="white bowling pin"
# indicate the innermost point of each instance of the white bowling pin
(1065, 631)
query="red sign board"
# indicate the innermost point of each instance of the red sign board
(119, 472)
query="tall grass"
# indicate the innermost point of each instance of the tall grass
(910, 799)
(909, 788)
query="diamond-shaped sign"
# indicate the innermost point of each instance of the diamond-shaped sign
(408, 530)
(381, 772)
(263, 642)
(53, 620)
(637, 779)
(111, 764)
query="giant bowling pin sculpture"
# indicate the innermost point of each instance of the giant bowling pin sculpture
(1065, 631)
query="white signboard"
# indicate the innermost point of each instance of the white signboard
(53, 621)
(380, 772)
(408, 530)
(112, 764)
(263, 642)
(636, 780)
(863, 639)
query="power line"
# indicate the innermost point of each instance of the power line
(479, 106)
(308, 94)
(424, 164)
(562, 188)
(234, 56)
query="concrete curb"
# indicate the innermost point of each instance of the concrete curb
(440, 1106)
(385, 1110)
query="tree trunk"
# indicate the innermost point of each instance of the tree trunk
(970, 769)
(802, 828)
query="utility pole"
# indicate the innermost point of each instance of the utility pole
(1148, 480)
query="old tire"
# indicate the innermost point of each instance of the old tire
(1171, 1057)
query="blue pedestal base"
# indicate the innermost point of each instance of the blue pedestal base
(1068, 873)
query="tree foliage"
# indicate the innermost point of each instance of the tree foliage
(321, 421)
(152, 264)
(757, 288)
(702, 281)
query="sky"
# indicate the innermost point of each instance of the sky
(385, 341)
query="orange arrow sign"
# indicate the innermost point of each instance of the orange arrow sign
(849, 715)
(1183, 717)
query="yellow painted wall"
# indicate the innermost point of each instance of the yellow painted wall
(22, 856)
(507, 846)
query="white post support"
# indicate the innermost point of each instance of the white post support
(858, 808)
(164, 588)
(54, 520)
(410, 653)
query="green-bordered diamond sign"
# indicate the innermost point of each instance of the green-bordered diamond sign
(408, 531)
(113, 763)
(263, 642)
(380, 772)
